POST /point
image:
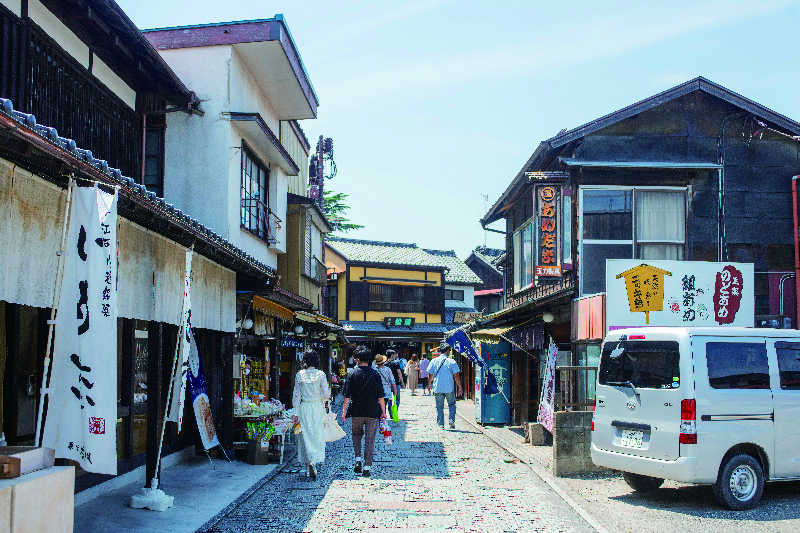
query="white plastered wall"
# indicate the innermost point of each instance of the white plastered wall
(113, 82)
(67, 40)
(469, 293)
(202, 151)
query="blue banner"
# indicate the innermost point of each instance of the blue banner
(200, 399)
(461, 343)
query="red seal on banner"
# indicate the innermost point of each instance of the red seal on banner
(97, 426)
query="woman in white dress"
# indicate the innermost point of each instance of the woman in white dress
(310, 394)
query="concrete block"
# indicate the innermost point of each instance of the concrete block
(572, 419)
(568, 442)
(536, 434)
(565, 466)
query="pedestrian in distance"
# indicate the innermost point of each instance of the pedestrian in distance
(389, 387)
(402, 361)
(365, 406)
(423, 372)
(444, 377)
(397, 372)
(412, 371)
(310, 393)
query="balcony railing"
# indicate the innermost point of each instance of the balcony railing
(577, 385)
(319, 274)
(544, 289)
(259, 220)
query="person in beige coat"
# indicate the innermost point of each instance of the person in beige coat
(412, 371)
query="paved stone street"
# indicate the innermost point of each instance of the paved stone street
(427, 480)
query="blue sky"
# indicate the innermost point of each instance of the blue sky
(434, 103)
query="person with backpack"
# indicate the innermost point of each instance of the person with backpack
(443, 376)
(364, 404)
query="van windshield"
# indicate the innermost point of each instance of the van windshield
(644, 364)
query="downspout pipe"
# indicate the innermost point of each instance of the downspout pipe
(796, 251)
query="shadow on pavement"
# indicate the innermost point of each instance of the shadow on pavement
(288, 502)
(778, 503)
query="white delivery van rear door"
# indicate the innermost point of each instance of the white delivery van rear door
(639, 397)
(734, 399)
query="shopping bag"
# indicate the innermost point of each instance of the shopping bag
(333, 431)
(395, 414)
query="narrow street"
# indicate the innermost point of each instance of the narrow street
(427, 480)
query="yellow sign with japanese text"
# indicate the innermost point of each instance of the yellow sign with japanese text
(645, 287)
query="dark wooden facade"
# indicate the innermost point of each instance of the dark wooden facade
(739, 212)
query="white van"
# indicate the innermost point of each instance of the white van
(700, 405)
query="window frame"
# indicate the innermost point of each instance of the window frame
(245, 223)
(516, 242)
(633, 241)
(391, 303)
(451, 291)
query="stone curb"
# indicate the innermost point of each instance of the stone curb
(207, 527)
(544, 476)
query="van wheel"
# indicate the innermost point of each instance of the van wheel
(641, 483)
(740, 483)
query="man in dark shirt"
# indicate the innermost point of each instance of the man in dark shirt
(363, 403)
(397, 372)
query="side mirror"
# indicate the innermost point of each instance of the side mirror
(616, 353)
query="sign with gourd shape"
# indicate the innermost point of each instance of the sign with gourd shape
(645, 287)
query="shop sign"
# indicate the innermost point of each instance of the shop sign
(292, 342)
(547, 256)
(398, 321)
(462, 317)
(81, 419)
(679, 293)
(319, 345)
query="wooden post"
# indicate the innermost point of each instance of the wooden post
(228, 346)
(154, 395)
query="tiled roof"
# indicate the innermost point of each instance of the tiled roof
(392, 253)
(458, 271)
(378, 327)
(492, 253)
(66, 148)
(450, 312)
(396, 253)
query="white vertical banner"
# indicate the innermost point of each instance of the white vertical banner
(547, 402)
(81, 421)
(175, 405)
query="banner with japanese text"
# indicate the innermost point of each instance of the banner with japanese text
(175, 403)
(679, 293)
(200, 399)
(548, 399)
(81, 419)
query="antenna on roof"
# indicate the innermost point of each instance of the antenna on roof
(485, 209)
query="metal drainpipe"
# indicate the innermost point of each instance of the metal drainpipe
(796, 252)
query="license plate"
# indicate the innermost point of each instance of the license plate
(632, 438)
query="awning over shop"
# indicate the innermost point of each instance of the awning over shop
(489, 335)
(262, 305)
(306, 317)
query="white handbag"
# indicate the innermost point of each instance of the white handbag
(333, 431)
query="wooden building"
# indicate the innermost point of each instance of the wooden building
(696, 173)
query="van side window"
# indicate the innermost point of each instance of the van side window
(789, 364)
(737, 365)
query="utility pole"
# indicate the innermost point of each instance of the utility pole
(316, 188)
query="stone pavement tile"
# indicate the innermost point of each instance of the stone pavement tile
(469, 484)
